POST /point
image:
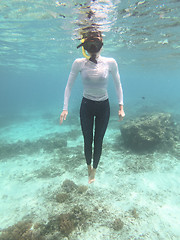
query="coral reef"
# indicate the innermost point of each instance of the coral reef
(139, 163)
(70, 158)
(66, 224)
(60, 225)
(47, 172)
(117, 224)
(79, 215)
(82, 189)
(74, 134)
(62, 197)
(24, 230)
(48, 143)
(150, 132)
(176, 150)
(134, 213)
(69, 186)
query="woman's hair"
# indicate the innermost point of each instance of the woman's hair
(92, 34)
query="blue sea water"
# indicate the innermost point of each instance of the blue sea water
(38, 42)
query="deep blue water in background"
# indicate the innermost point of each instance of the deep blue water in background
(35, 90)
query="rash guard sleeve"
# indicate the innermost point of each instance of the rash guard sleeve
(72, 77)
(116, 77)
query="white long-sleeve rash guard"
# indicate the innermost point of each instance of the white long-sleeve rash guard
(94, 78)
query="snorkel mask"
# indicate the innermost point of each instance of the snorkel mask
(92, 45)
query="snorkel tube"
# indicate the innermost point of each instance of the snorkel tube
(83, 51)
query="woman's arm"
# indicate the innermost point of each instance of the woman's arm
(72, 77)
(119, 91)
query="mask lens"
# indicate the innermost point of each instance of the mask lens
(93, 45)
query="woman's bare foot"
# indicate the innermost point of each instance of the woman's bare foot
(89, 170)
(92, 175)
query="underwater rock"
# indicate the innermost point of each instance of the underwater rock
(117, 224)
(149, 132)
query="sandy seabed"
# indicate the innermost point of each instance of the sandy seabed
(141, 190)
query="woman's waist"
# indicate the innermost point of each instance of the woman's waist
(94, 97)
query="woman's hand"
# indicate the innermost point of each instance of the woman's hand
(63, 116)
(121, 113)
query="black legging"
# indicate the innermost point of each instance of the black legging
(101, 111)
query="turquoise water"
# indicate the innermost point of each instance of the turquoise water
(38, 42)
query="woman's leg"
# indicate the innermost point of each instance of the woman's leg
(101, 123)
(87, 120)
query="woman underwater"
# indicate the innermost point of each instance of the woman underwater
(95, 107)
